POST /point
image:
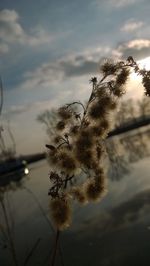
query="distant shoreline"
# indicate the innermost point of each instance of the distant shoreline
(31, 158)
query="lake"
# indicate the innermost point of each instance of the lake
(114, 232)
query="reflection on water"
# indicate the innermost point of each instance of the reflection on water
(113, 232)
(9, 182)
(118, 164)
(125, 150)
(13, 178)
(26, 171)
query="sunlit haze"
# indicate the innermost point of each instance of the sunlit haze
(50, 49)
(144, 63)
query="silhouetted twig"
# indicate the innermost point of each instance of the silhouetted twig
(11, 242)
(55, 248)
(1, 95)
(31, 251)
(40, 206)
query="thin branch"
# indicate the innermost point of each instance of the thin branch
(55, 248)
(54, 190)
(11, 242)
(40, 206)
(31, 251)
(1, 95)
(61, 144)
(11, 137)
(69, 104)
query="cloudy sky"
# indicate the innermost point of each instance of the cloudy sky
(49, 49)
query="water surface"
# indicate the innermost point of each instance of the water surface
(115, 231)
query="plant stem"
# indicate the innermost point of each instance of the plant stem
(39, 205)
(1, 95)
(12, 247)
(90, 99)
(30, 254)
(55, 248)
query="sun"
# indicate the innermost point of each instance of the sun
(135, 87)
(144, 63)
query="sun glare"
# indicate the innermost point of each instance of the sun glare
(135, 87)
(144, 63)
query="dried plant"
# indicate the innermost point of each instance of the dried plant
(77, 150)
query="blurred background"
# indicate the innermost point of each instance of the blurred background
(49, 51)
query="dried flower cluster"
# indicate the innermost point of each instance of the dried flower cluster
(77, 150)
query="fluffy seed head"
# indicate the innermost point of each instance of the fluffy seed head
(118, 91)
(52, 157)
(99, 152)
(122, 77)
(99, 171)
(79, 195)
(113, 105)
(61, 213)
(95, 189)
(104, 123)
(64, 113)
(60, 125)
(146, 84)
(74, 130)
(108, 68)
(101, 92)
(57, 139)
(67, 161)
(84, 157)
(97, 110)
(106, 101)
(97, 131)
(84, 140)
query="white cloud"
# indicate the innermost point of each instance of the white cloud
(3, 48)
(139, 44)
(71, 66)
(8, 15)
(36, 107)
(116, 3)
(11, 31)
(16, 110)
(138, 48)
(122, 3)
(132, 25)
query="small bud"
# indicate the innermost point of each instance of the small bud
(51, 147)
